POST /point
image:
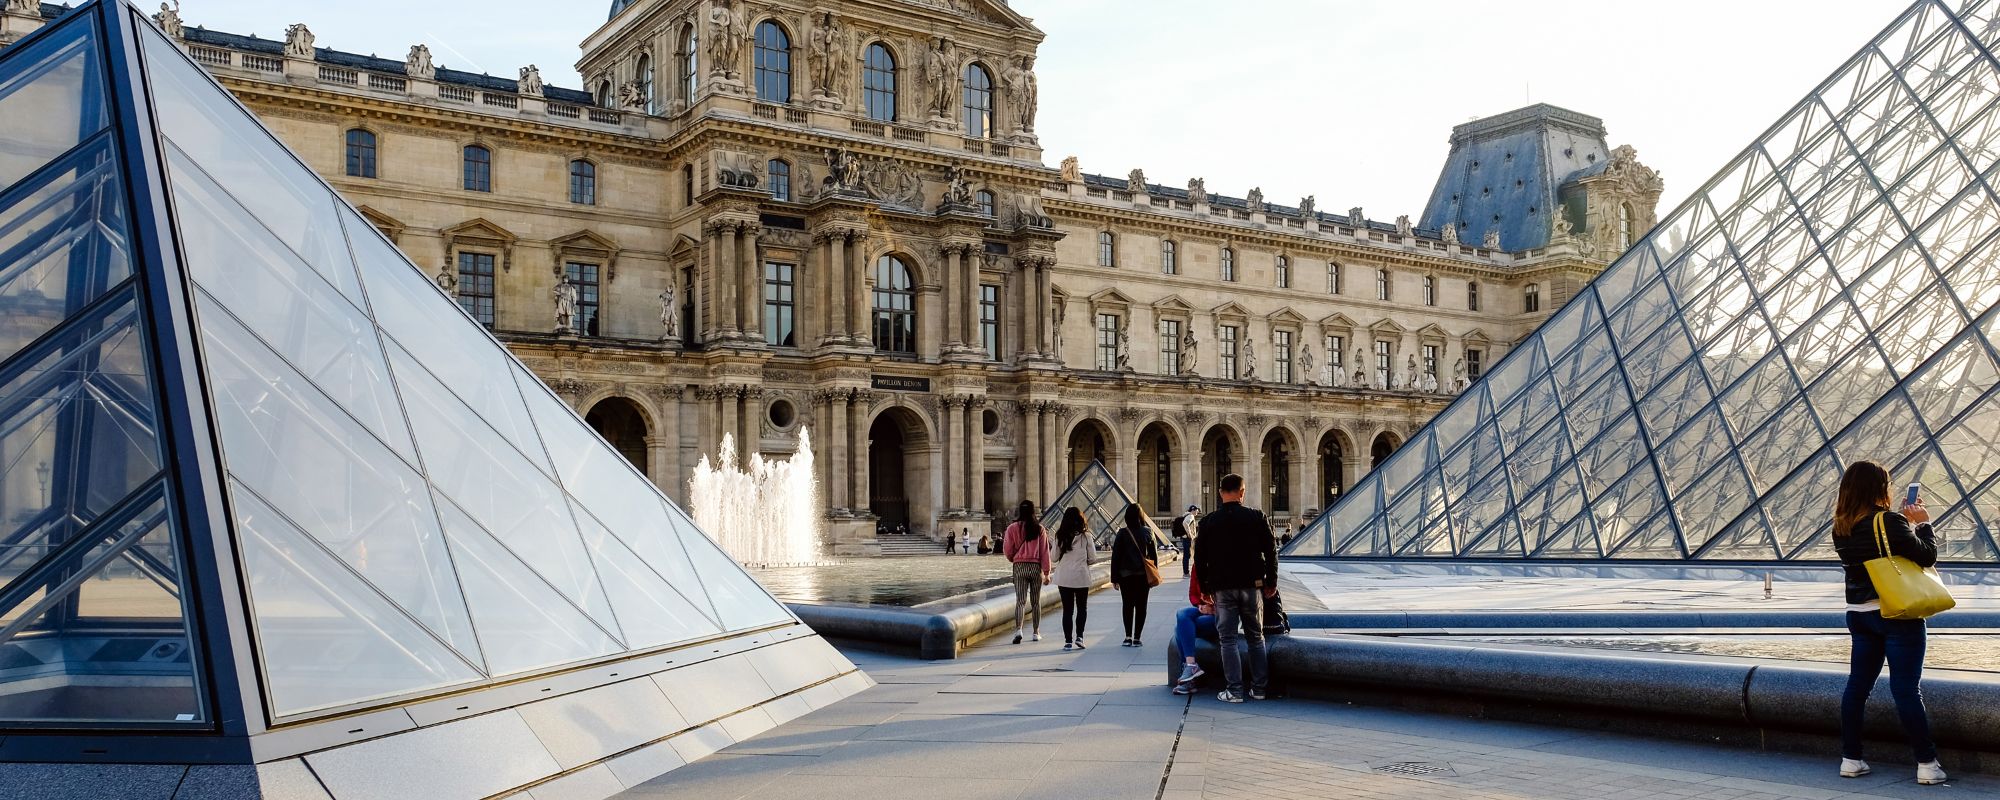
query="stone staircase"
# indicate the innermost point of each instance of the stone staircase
(908, 544)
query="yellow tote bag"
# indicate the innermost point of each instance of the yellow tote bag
(1907, 590)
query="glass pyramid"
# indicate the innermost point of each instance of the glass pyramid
(231, 411)
(1829, 297)
(1103, 501)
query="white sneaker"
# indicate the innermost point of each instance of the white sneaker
(1853, 768)
(1930, 773)
(1038, 637)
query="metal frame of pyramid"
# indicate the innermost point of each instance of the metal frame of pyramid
(289, 501)
(1829, 296)
(1103, 501)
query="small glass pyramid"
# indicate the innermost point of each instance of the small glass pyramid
(1103, 501)
(236, 413)
(1829, 297)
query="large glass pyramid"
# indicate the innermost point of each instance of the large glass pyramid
(232, 415)
(1103, 502)
(1829, 297)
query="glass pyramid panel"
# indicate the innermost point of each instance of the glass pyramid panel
(1102, 501)
(1829, 297)
(523, 622)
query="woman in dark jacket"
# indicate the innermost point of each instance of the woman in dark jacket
(1864, 496)
(1133, 543)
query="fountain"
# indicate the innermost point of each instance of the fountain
(765, 513)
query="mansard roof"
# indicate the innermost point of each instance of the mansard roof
(372, 63)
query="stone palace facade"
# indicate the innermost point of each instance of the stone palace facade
(764, 216)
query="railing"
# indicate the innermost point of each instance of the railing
(864, 126)
(797, 115)
(263, 63)
(910, 135)
(566, 112)
(975, 146)
(388, 83)
(764, 111)
(999, 149)
(499, 100)
(605, 115)
(340, 75)
(211, 56)
(454, 93)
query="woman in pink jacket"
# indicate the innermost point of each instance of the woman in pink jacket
(1026, 545)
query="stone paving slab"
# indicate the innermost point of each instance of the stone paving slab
(1012, 722)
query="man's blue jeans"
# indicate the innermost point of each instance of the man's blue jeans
(1901, 643)
(1239, 613)
(1187, 555)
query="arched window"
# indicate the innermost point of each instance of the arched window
(478, 169)
(978, 102)
(1382, 284)
(646, 84)
(895, 307)
(1472, 296)
(690, 64)
(1531, 298)
(1284, 272)
(1107, 255)
(1625, 233)
(583, 182)
(1168, 264)
(774, 63)
(779, 179)
(360, 153)
(1229, 264)
(1430, 291)
(878, 83)
(986, 204)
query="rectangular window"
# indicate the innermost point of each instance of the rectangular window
(360, 153)
(1335, 346)
(478, 169)
(1229, 265)
(687, 185)
(1332, 278)
(1472, 296)
(583, 183)
(1284, 272)
(989, 319)
(1474, 364)
(1430, 291)
(1281, 343)
(779, 309)
(1430, 360)
(584, 277)
(1170, 347)
(1382, 355)
(1227, 337)
(1107, 342)
(475, 286)
(1169, 264)
(1381, 284)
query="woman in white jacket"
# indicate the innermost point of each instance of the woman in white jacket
(1074, 553)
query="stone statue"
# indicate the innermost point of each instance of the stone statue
(1056, 312)
(1360, 368)
(630, 97)
(670, 314)
(1492, 240)
(1404, 229)
(418, 65)
(1309, 207)
(725, 41)
(1430, 382)
(1197, 191)
(1249, 361)
(530, 82)
(1409, 381)
(827, 64)
(169, 19)
(1022, 92)
(566, 297)
(447, 279)
(843, 169)
(1357, 218)
(1559, 228)
(1072, 171)
(1458, 381)
(1256, 200)
(1189, 363)
(956, 193)
(941, 76)
(1306, 364)
(1135, 181)
(1335, 376)
(1032, 215)
(298, 41)
(1449, 233)
(1125, 347)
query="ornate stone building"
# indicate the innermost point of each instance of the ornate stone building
(771, 215)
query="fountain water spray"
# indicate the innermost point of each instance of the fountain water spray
(765, 514)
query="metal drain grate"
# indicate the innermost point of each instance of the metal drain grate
(1055, 669)
(1415, 768)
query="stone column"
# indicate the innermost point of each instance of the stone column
(1187, 480)
(666, 459)
(859, 313)
(1028, 439)
(1044, 302)
(1055, 468)
(952, 281)
(975, 454)
(857, 450)
(1124, 464)
(750, 421)
(750, 288)
(832, 305)
(659, 449)
(833, 409)
(952, 460)
(726, 283)
(968, 313)
(726, 402)
(1303, 495)
(1026, 345)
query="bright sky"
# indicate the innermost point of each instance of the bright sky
(1348, 100)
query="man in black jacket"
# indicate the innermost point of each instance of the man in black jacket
(1237, 562)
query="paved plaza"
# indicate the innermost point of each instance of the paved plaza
(1018, 721)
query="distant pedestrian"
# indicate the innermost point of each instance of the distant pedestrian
(1074, 555)
(1184, 537)
(1864, 498)
(985, 544)
(1238, 564)
(965, 541)
(950, 542)
(1028, 550)
(1189, 623)
(1135, 568)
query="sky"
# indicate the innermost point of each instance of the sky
(1348, 100)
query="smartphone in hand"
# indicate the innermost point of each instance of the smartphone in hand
(1910, 497)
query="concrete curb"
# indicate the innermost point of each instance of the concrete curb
(933, 631)
(1555, 620)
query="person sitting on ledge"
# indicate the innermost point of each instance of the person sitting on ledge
(1197, 619)
(985, 544)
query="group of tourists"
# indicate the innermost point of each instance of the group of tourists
(1067, 562)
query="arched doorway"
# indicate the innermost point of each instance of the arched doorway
(1156, 468)
(1385, 444)
(899, 474)
(1088, 441)
(1332, 470)
(1277, 453)
(1220, 449)
(621, 424)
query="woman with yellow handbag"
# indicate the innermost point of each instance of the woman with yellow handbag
(1865, 531)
